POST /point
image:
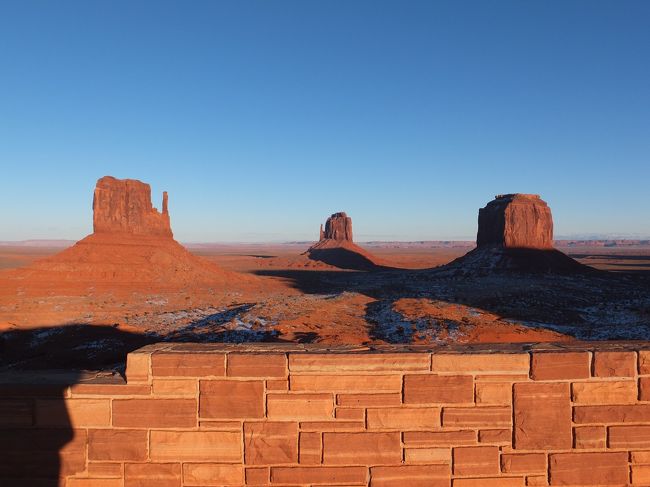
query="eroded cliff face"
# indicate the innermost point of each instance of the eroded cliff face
(338, 227)
(516, 221)
(123, 206)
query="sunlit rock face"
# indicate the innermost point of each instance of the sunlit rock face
(337, 227)
(123, 206)
(516, 221)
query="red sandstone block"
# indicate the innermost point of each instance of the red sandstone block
(361, 448)
(439, 438)
(640, 457)
(490, 482)
(537, 480)
(175, 387)
(644, 389)
(256, 365)
(220, 425)
(588, 468)
(637, 413)
(78, 413)
(258, 475)
(484, 363)
(110, 390)
(427, 455)
(369, 400)
(403, 419)
(212, 474)
(332, 426)
(350, 414)
(353, 362)
(411, 475)
(138, 367)
(154, 413)
(615, 364)
(502, 378)
(499, 436)
(104, 470)
(482, 417)
(606, 392)
(300, 407)
(589, 437)
(270, 443)
(92, 482)
(318, 475)
(644, 362)
(152, 475)
(536, 406)
(196, 446)
(345, 383)
(438, 389)
(16, 412)
(117, 445)
(188, 364)
(277, 385)
(494, 393)
(629, 437)
(524, 463)
(560, 365)
(310, 448)
(641, 474)
(476, 460)
(230, 399)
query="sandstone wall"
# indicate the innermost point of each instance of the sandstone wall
(257, 415)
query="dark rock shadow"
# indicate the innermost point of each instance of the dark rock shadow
(344, 258)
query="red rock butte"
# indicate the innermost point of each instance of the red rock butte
(337, 227)
(516, 221)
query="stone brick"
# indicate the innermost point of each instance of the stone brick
(427, 455)
(482, 417)
(230, 399)
(644, 362)
(589, 437)
(110, 390)
(355, 362)
(138, 367)
(78, 413)
(369, 400)
(640, 474)
(361, 448)
(96, 482)
(537, 480)
(270, 443)
(606, 392)
(476, 460)
(499, 436)
(277, 385)
(350, 414)
(175, 387)
(316, 426)
(611, 414)
(212, 474)
(152, 475)
(310, 448)
(439, 438)
(154, 413)
(318, 475)
(640, 457)
(256, 365)
(629, 437)
(438, 389)
(345, 383)
(524, 463)
(559, 366)
(615, 364)
(108, 470)
(16, 412)
(490, 482)
(403, 419)
(188, 364)
(117, 445)
(300, 407)
(258, 475)
(494, 393)
(411, 475)
(588, 468)
(644, 389)
(536, 406)
(484, 363)
(209, 446)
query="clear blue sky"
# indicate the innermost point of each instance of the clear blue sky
(263, 117)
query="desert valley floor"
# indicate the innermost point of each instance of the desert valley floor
(274, 293)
